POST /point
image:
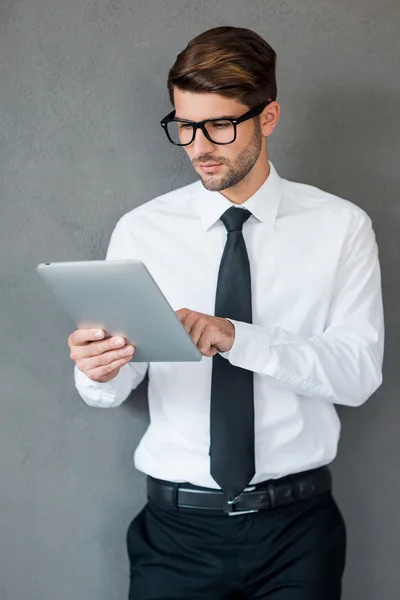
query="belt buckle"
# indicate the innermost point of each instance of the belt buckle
(229, 508)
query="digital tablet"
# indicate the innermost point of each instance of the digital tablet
(122, 298)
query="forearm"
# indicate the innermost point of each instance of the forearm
(339, 366)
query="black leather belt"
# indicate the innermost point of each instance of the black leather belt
(266, 495)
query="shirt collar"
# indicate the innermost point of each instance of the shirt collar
(263, 205)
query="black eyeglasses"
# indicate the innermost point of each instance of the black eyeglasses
(222, 130)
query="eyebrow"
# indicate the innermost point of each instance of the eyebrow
(218, 118)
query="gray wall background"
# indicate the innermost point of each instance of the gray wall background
(82, 89)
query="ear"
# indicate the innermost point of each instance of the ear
(269, 118)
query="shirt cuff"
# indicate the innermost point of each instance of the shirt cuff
(251, 348)
(95, 393)
(84, 381)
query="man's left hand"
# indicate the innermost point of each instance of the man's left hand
(210, 334)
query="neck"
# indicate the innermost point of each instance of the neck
(250, 184)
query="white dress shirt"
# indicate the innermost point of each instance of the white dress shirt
(317, 335)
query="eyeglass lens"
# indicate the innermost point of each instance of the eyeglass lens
(221, 132)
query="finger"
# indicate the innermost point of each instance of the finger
(204, 343)
(83, 336)
(206, 349)
(211, 352)
(97, 348)
(104, 372)
(182, 313)
(190, 319)
(196, 329)
(202, 332)
(104, 359)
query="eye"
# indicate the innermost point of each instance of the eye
(221, 124)
(184, 126)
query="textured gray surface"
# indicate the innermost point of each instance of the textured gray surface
(83, 86)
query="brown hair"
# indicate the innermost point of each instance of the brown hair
(231, 61)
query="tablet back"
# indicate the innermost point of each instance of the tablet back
(121, 297)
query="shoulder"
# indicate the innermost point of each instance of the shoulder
(321, 205)
(171, 203)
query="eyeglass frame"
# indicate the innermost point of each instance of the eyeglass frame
(253, 112)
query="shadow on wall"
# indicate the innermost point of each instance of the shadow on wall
(137, 405)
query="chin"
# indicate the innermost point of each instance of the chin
(212, 184)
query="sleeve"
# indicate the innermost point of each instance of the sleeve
(113, 393)
(343, 365)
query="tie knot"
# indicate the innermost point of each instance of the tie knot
(234, 218)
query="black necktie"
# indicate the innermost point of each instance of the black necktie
(232, 405)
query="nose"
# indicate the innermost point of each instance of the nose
(201, 145)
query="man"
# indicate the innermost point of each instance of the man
(278, 284)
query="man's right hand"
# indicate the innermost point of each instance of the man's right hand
(100, 359)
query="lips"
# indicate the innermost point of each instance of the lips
(209, 168)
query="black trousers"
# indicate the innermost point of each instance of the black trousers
(295, 552)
